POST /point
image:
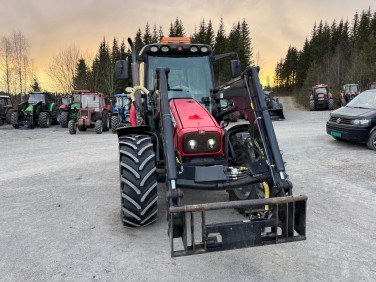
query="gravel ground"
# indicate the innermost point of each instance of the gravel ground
(60, 202)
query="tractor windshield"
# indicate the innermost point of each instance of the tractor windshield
(321, 90)
(35, 98)
(65, 100)
(351, 88)
(90, 101)
(189, 77)
(122, 101)
(4, 101)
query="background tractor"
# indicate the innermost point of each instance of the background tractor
(320, 98)
(350, 91)
(92, 114)
(40, 109)
(6, 109)
(372, 85)
(275, 108)
(178, 136)
(69, 107)
(120, 111)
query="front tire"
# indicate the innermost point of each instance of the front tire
(8, 116)
(114, 123)
(44, 120)
(98, 126)
(138, 181)
(371, 142)
(251, 192)
(105, 121)
(55, 116)
(72, 127)
(311, 105)
(64, 119)
(14, 120)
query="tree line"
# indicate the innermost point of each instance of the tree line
(336, 54)
(71, 69)
(16, 66)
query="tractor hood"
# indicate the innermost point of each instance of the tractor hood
(29, 108)
(351, 112)
(75, 106)
(189, 114)
(196, 132)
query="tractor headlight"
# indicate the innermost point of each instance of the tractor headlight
(192, 145)
(211, 143)
(361, 122)
(203, 142)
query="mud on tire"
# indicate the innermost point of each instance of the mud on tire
(138, 181)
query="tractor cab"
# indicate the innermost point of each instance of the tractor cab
(320, 97)
(36, 97)
(350, 91)
(190, 74)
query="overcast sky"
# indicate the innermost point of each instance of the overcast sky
(52, 25)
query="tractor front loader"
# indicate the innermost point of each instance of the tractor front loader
(180, 136)
(40, 109)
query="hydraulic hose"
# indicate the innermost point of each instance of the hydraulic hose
(267, 193)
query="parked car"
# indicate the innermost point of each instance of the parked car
(356, 121)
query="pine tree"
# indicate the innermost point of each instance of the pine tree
(81, 79)
(35, 86)
(138, 40)
(147, 38)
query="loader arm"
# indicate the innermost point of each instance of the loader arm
(286, 221)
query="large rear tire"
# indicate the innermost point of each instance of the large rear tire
(64, 119)
(114, 123)
(8, 116)
(14, 120)
(44, 120)
(98, 126)
(138, 181)
(105, 121)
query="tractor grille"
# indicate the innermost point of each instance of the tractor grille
(84, 113)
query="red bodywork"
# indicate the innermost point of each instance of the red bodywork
(321, 96)
(191, 116)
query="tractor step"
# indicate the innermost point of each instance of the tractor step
(287, 224)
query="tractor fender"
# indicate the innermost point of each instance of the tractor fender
(51, 107)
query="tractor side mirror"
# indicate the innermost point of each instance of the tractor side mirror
(235, 68)
(121, 70)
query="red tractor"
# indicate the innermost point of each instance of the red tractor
(320, 98)
(179, 136)
(372, 85)
(6, 109)
(350, 91)
(94, 113)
